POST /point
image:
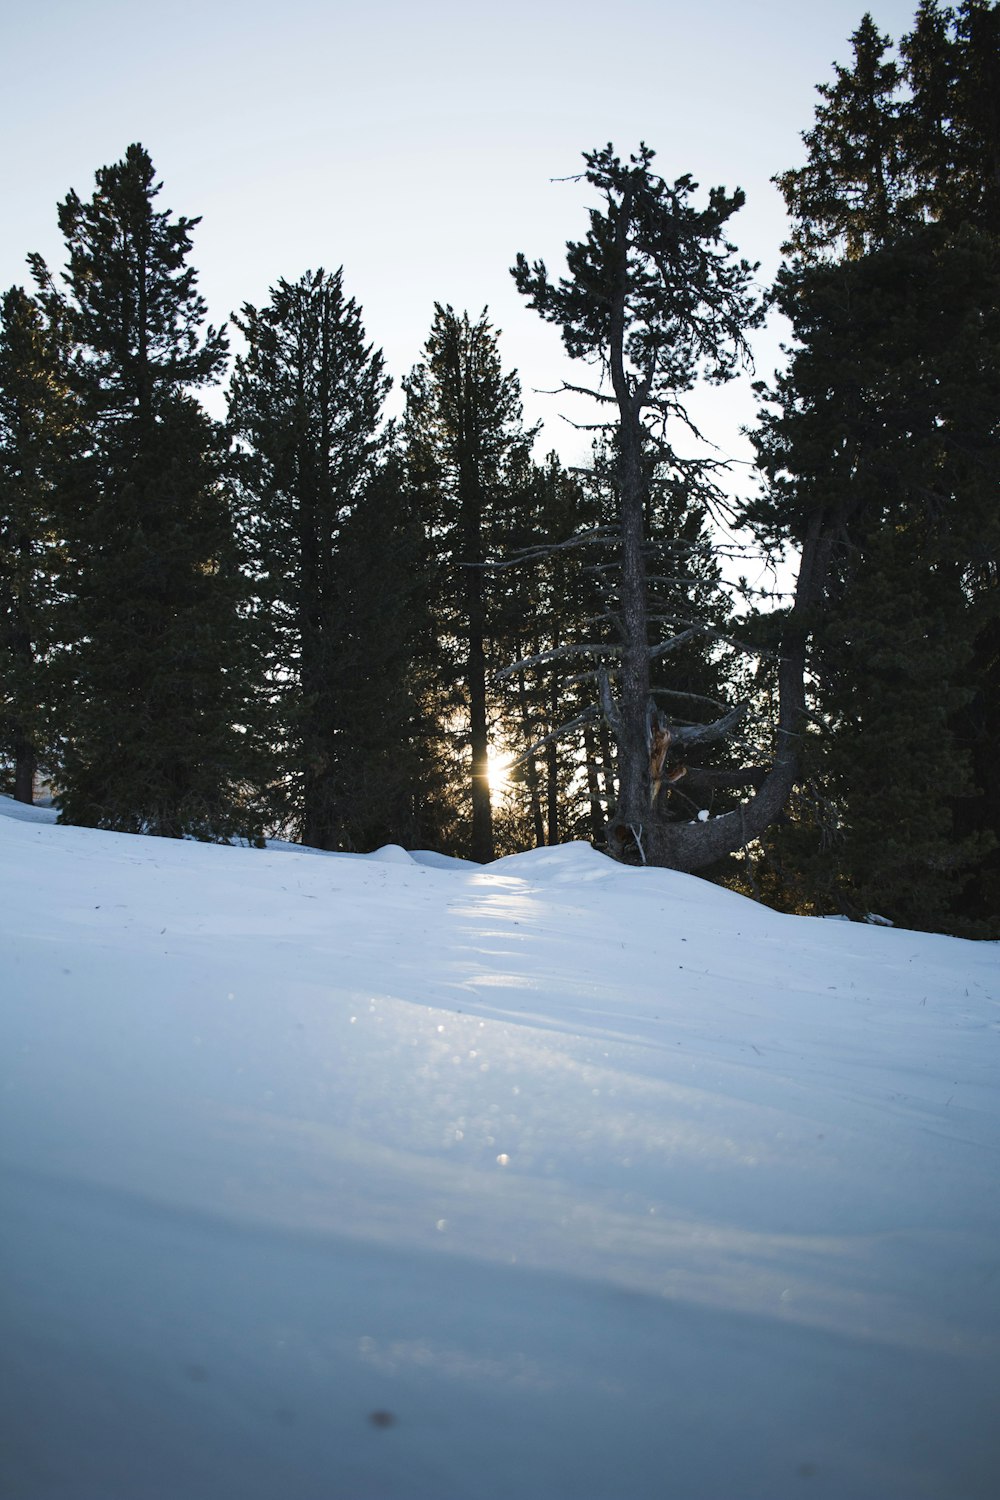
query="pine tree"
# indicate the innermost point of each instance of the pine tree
(544, 595)
(467, 449)
(566, 598)
(884, 432)
(951, 117)
(851, 190)
(391, 759)
(656, 300)
(335, 555)
(152, 737)
(38, 423)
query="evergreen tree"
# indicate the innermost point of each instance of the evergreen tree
(545, 596)
(884, 432)
(567, 598)
(37, 427)
(392, 761)
(152, 743)
(467, 450)
(951, 113)
(655, 299)
(335, 556)
(852, 189)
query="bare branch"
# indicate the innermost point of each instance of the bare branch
(546, 549)
(608, 705)
(587, 426)
(563, 732)
(672, 645)
(557, 653)
(711, 634)
(709, 734)
(592, 676)
(579, 390)
(663, 692)
(591, 474)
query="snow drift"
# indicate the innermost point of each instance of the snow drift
(395, 1178)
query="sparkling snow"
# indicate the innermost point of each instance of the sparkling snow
(400, 1178)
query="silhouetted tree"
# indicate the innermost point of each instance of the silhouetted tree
(884, 434)
(335, 554)
(467, 449)
(153, 702)
(38, 424)
(655, 299)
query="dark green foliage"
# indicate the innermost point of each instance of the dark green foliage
(886, 430)
(153, 746)
(951, 119)
(900, 140)
(468, 454)
(38, 425)
(655, 297)
(134, 307)
(546, 598)
(151, 680)
(390, 759)
(693, 683)
(336, 560)
(895, 682)
(653, 294)
(851, 189)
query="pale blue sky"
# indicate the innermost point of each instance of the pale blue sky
(412, 144)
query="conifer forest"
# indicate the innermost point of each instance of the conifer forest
(310, 622)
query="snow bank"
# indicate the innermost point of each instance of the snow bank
(394, 1177)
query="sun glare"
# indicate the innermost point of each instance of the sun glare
(498, 769)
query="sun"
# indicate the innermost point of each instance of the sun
(498, 764)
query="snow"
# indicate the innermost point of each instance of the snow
(401, 1178)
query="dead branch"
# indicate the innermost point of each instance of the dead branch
(665, 692)
(608, 705)
(556, 653)
(672, 645)
(563, 732)
(690, 735)
(546, 549)
(714, 635)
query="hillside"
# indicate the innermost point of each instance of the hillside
(393, 1178)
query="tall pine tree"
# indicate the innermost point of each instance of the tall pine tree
(546, 596)
(38, 429)
(467, 449)
(884, 432)
(152, 739)
(334, 553)
(655, 298)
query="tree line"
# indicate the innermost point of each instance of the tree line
(309, 621)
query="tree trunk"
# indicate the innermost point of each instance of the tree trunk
(530, 765)
(535, 801)
(598, 815)
(481, 848)
(631, 730)
(607, 767)
(552, 770)
(25, 765)
(633, 693)
(471, 499)
(25, 752)
(692, 846)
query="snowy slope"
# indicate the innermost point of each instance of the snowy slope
(335, 1178)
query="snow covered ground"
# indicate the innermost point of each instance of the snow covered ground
(393, 1178)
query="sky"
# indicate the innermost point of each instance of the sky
(419, 146)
